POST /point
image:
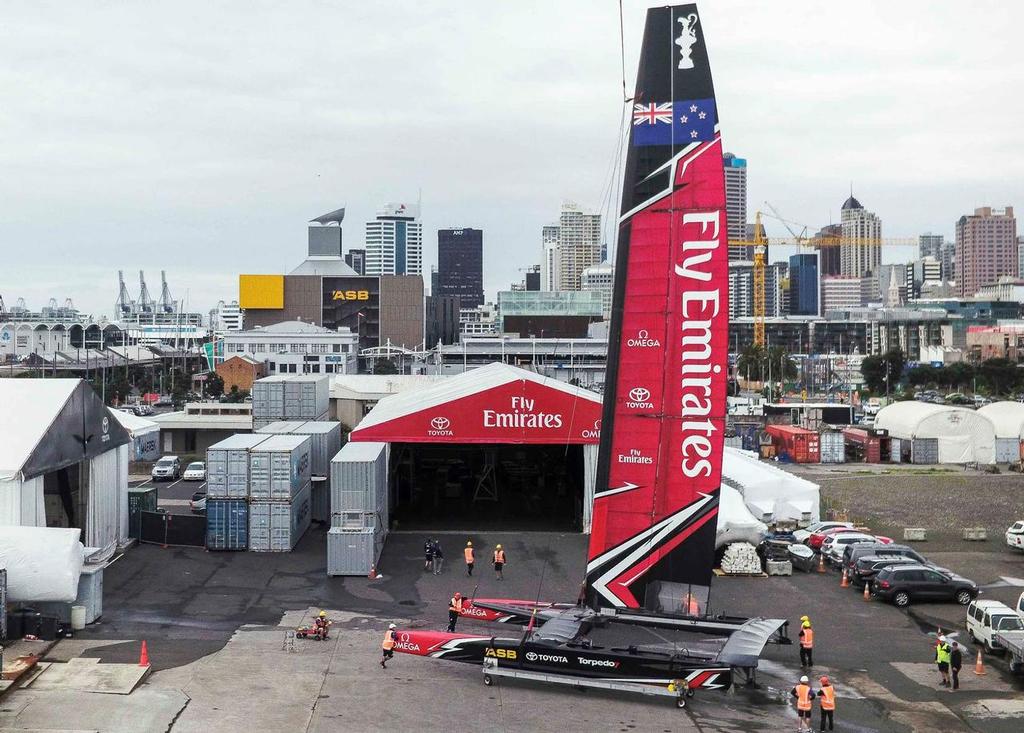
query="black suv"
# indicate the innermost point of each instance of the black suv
(867, 568)
(852, 553)
(903, 583)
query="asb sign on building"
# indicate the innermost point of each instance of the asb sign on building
(501, 407)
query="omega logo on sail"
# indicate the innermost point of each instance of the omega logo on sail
(698, 313)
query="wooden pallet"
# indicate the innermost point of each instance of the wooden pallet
(722, 574)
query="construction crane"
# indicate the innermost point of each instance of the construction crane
(760, 243)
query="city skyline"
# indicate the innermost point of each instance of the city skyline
(193, 192)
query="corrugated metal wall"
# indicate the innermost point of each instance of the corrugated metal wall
(21, 503)
(108, 490)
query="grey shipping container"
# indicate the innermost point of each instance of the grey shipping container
(227, 524)
(268, 397)
(320, 499)
(279, 467)
(894, 450)
(140, 500)
(354, 552)
(306, 396)
(359, 479)
(734, 441)
(325, 440)
(277, 526)
(832, 446)
(227, 466)
(1007, 450)
(924, 450)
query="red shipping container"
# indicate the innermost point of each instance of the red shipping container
(799, 444)
(870, 445)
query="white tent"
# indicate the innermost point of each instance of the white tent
(928, 433)
(771, 494)
(145, 435)
(735, 522)
(1008, 420)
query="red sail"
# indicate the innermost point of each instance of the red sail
(660, 463)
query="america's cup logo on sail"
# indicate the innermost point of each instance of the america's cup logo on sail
(687, 37)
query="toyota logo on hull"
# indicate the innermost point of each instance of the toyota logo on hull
(639, 399)
(440, 426)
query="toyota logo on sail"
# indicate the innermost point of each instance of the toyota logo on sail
(639, 399)
(440, 426)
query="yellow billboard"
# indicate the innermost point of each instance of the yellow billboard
(261, 292)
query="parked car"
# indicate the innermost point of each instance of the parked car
(868, 567)
(902, 584)
(985, 618)
(832, 548)
(198, 502)
(168, 467)
(803, 535)
(851, 553)
(195, 471)
(1015, 536)
(817, 539)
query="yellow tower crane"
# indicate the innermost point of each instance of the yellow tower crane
(760, 243)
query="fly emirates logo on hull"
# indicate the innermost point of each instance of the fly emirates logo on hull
(699, 366)
(522, 414)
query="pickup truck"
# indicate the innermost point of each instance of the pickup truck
(1013, 643)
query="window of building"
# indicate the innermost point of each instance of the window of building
(273, 366)
(315, 368)
(337, 348)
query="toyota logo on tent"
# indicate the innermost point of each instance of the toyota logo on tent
(639, 394)
(440, 423)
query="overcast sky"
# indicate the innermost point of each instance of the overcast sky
(200, 137)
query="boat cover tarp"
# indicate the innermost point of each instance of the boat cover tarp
(43, 563)
(744, 646)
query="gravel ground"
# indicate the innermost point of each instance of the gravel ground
(943, 500)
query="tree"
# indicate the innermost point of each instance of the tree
(958, 375)
(214, 384)
(384, 366)
(924, 376)
(882, 373)
(757, 364)
(780, 364)
(1001, 376)
(750, 363)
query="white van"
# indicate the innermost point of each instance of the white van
(985, 618)
(1015, 536)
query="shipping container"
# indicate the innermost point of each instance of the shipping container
(320, 499)
(354, 552)
(277, 526)
(306, 396)
(895, 450)
(139, 500)
(1007, 450)
(268, 397)
(734, 441)
(796, 444)
(325, 440)
(227, 524)
(861, 445)
(227, 466)
(748, 432)
(924, 450)
(279, 467)
(832, 448)
(359, 479)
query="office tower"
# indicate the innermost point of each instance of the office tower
(1020, 256)
(356, 259)
(860, 252)
(930, 245)
(579, 245)
(741, 289)
(460, 265)
(394, 242)
(922, 272)
(986, 248)
(602, 279)
(549, 258)
(736, 204)
(949, 260)
(533, 278)
(803, 285)
(825, 241)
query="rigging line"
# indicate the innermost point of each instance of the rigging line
(622, 52)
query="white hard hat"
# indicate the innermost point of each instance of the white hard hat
(804, 678)
(392, 626)
(942, 638)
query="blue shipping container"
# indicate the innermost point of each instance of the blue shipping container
(227, 524)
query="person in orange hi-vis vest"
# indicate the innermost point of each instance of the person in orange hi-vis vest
(468, 552)
(454, 611)
(387, 646)
(804, 695)
(827, 693)
(499, 562)
(692, 606)
(806, 642)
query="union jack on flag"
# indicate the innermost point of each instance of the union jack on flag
(651, 114)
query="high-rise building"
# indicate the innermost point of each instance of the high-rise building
(394, 242)
(460, 265)
(579, 245)
(549, 257)
(862, 254)
(828, 251)
(746, 253)
(226, 317)
(602, 279)
(1020, 256)
(356, 259)
(803, 285)
(840, 293)
(736, 204)
(986, 248)
(533, 278)
(930, 245)
(741, 289)
(923, 273)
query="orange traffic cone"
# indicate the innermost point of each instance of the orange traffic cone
(821, 563)
(867, 592)
(844, 583)
(979, 666)
(144, 655)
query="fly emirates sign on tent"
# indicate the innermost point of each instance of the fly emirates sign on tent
(494, 404)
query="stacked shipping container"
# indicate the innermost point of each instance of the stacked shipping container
(279, 492)
(325, 442)
(227, 492)
(290, 397)
(359, 508)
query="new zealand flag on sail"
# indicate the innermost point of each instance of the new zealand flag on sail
(680, 122)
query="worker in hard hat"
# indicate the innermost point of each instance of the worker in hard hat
(321, 626)
(943, 655)
(806, 636)
(470, 559)
(804, 695)
(499, 562)
(387, 646)
(454, 611)
(827, 693)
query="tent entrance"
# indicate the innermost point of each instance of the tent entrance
(66, 496)
(493, 486)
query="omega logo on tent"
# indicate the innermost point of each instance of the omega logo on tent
(595, 432)
(440, 426)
